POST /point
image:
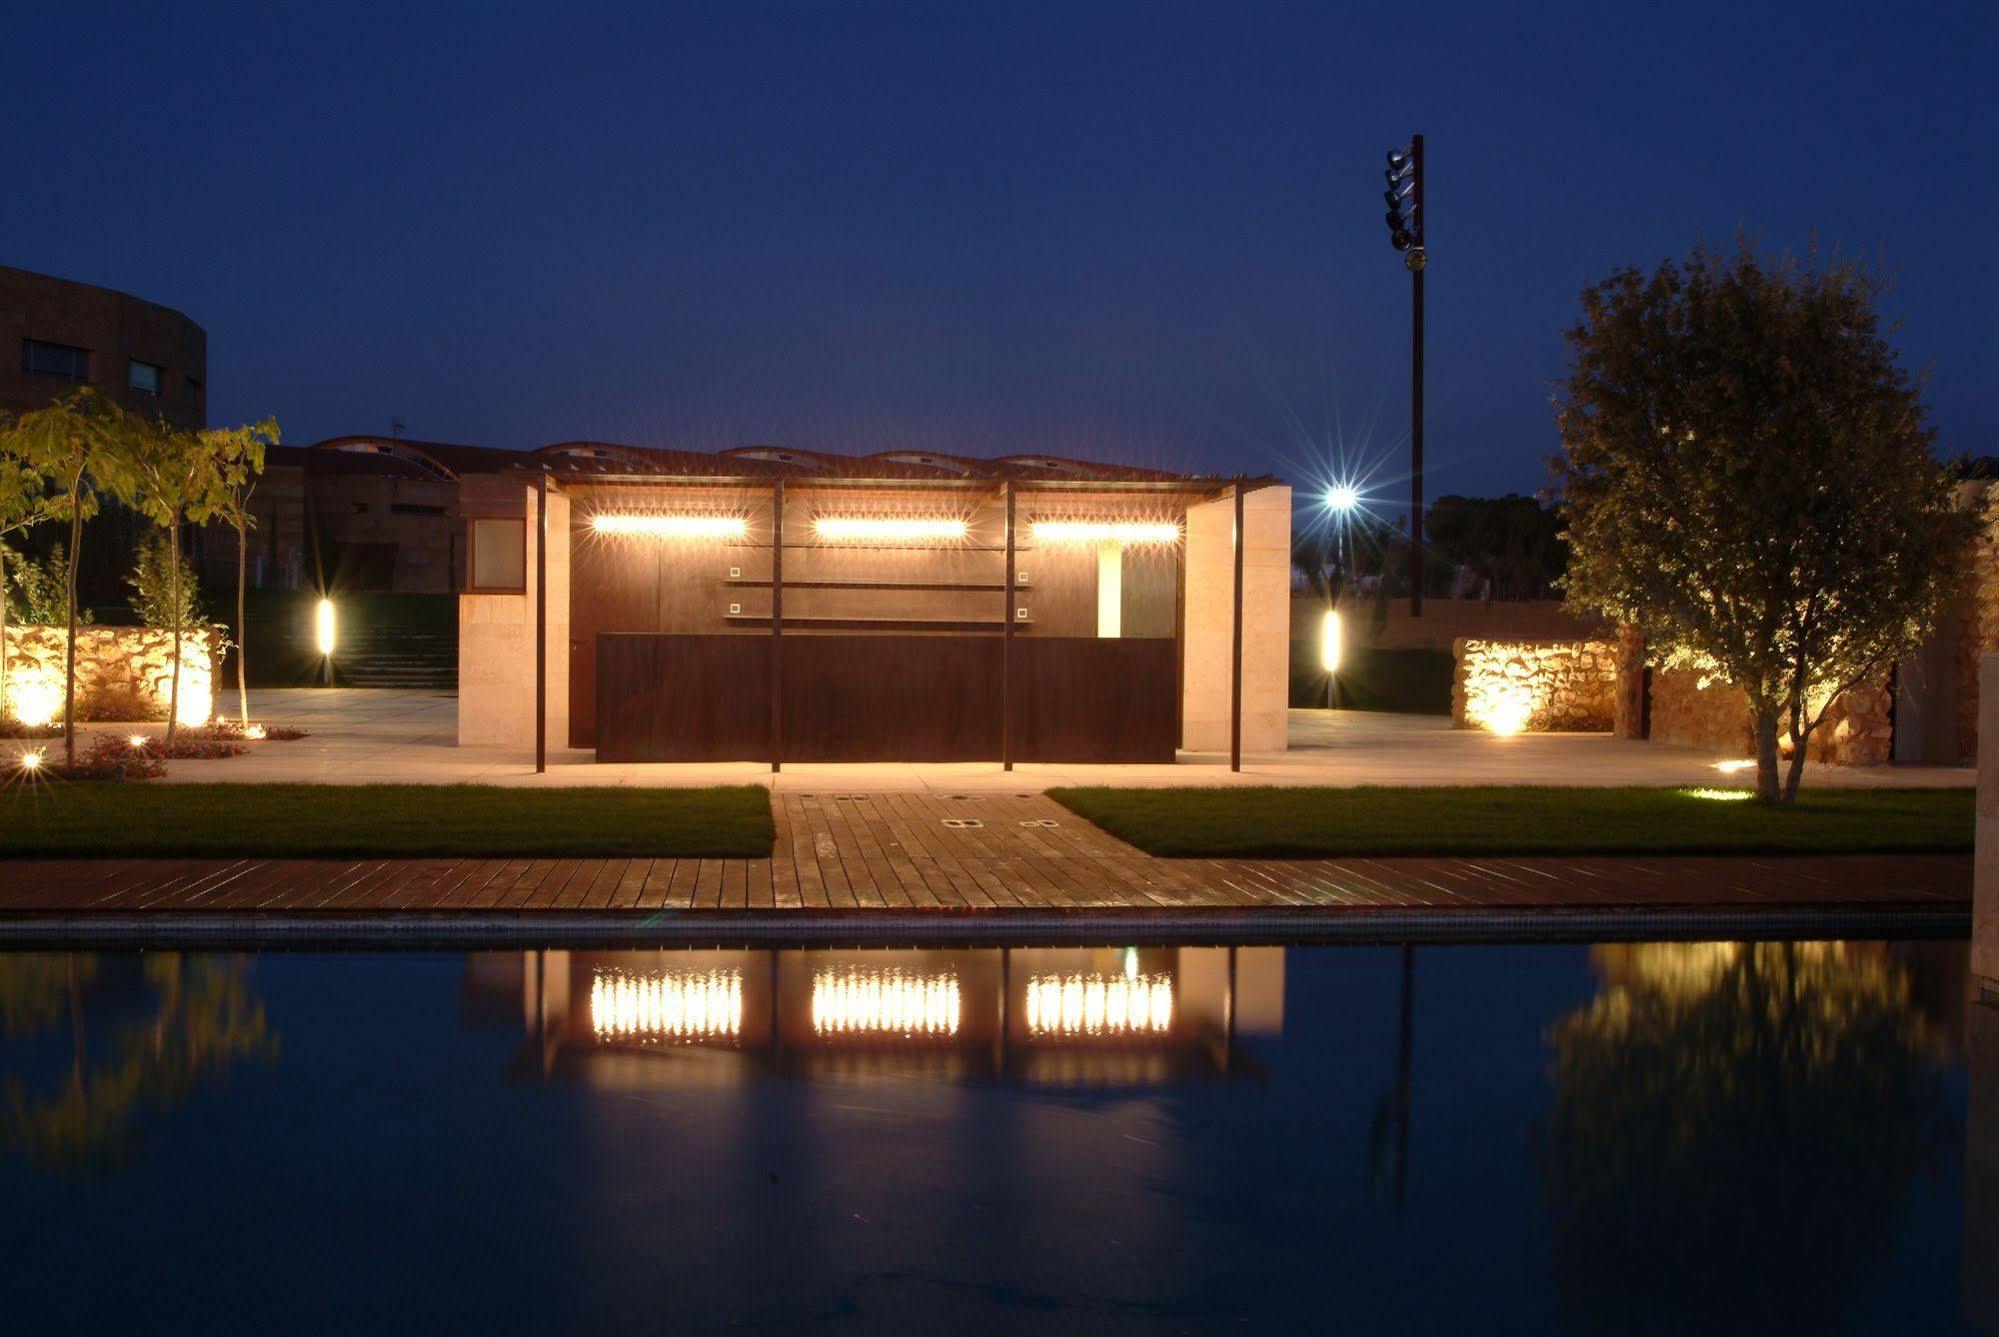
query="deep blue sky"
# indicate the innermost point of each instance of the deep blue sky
(1151, 231)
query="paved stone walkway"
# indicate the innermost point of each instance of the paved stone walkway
(963, 852)
(380, 735)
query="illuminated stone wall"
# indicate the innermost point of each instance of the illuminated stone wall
(1979, 635)
(122, 673)
(1538, 686)
(1857, 731)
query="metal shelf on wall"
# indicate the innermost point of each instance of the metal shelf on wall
(792, 622)
(992, 587)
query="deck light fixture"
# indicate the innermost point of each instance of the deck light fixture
(324, 627)
(878, 529)
(670, 526)
(31, 761)
(1104, 531)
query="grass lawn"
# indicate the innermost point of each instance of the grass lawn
(353, 821)
(1313, 822)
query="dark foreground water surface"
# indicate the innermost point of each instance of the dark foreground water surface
(1625, 1138)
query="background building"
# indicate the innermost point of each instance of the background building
(61, 334)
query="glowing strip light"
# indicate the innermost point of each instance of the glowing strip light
(671, 526)
(884, 1002)
(1060, 1005)
(1329, 642)
(677, 1005)
(851, 528)
(1104, 531)
(323, 627)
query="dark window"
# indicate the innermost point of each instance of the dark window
(72, 364)
(499, 555)
(193, 393)
(143, 377)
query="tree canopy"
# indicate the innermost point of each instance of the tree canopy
(1747, 478)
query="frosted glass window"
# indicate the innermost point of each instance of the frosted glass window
(499, 555)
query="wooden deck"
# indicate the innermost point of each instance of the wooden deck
(894, 851)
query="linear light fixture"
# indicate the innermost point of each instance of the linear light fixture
(862, 529)
(1329, 642)
(671, 526)
(324, 630)
(885, 1002)
(675, 1005)
(1106, 1005)
(1104, 531)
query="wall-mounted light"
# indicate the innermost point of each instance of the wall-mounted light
(1104, 531)
(883, 529)
(670, 526)
(324, 627)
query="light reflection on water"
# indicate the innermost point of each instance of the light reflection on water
(1655, 1137)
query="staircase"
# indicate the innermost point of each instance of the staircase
(398, 657)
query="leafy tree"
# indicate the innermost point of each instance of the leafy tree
(39, 587)
(162, 596)
(1747, 479)
(166, 473)
(237, 454)
(24, 501)
(75, 445)
(1512, 542)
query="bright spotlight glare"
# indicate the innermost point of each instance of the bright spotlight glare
(1342, 497)
(323, 626)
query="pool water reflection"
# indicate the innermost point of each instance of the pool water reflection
(1761, 1137)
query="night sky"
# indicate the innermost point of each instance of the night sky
(1147, 232)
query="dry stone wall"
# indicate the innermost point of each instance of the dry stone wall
(1857, 730)
(122, 673)
(1539, 686)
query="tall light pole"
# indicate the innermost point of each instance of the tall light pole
(1406, 226)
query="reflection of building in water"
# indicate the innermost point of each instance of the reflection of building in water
(1055, 1015)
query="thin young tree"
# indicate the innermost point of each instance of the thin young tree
(166, 473)
(24, 502)
(76, 444)
(1747, 475)
(237, 455)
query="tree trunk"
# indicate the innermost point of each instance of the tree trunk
(1768, 790)
(242, 630)
(69, 650)
(1796, 771)
(173, 586)
(3, 629)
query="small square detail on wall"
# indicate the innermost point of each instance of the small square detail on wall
(735, 609)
